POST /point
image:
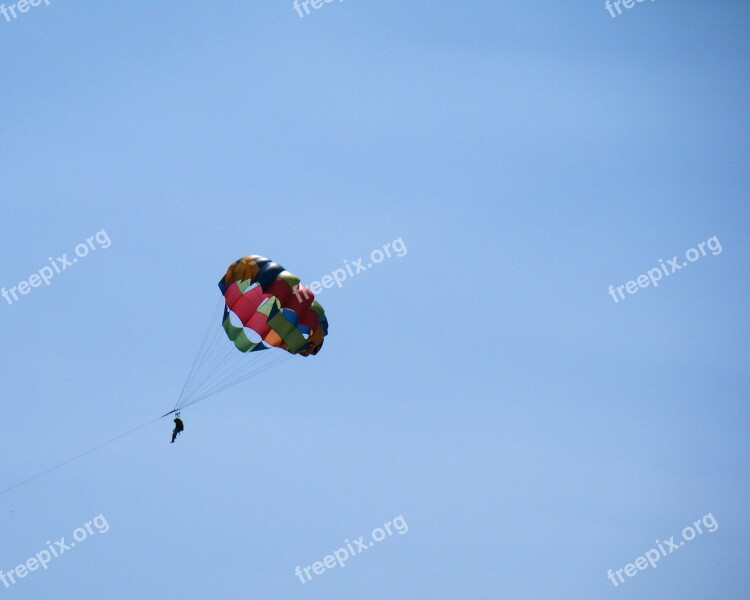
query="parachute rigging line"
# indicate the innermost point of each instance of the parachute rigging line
(70, 460)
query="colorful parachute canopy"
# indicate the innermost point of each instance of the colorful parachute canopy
(270, 301)
(263, 306)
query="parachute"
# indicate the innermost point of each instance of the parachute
(271, 302)
(263, 307)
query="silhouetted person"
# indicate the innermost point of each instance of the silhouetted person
(178, 427)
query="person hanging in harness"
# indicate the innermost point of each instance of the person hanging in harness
(179, 426)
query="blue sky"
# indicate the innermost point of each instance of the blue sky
(532, 432)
